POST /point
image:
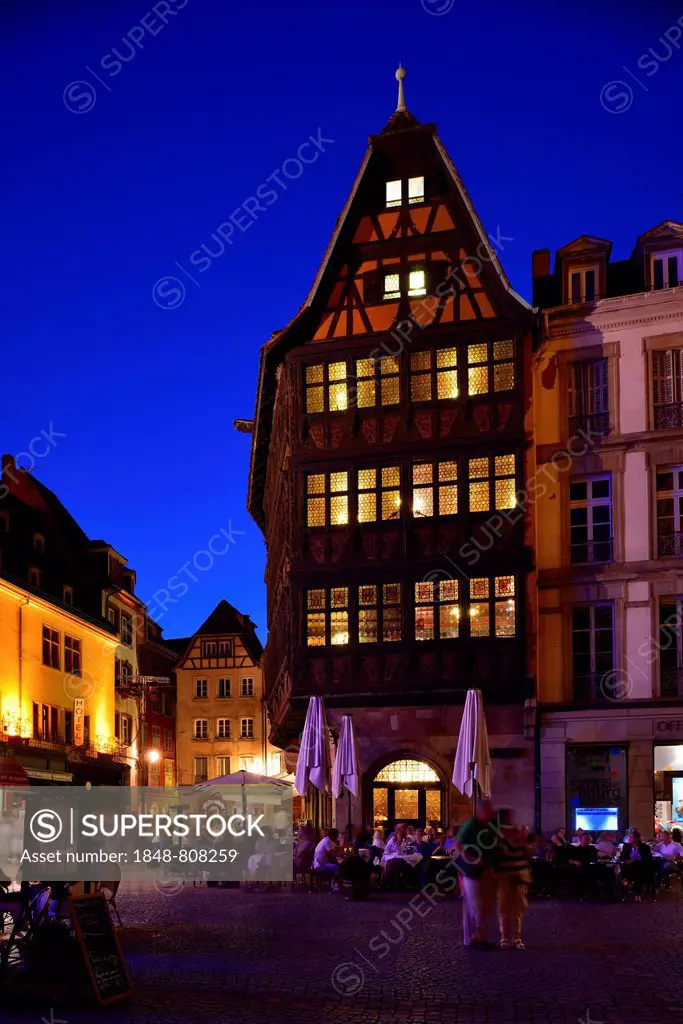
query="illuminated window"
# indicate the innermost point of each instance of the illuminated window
(394, 193)
(490, 366)
(492, 482)
(447, 373)
(392, 286)
(437, 609)
(407, 771)
(379, 613)
(417, 283)
(492, 606)
(421, 376)
(327, 616)
(377, 377)
(327, 499)
(326, 387)
(379, 489)
(435, 489)
(425, 382)
(416, 190)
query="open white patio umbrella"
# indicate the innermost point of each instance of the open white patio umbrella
(243, 778)
(472, 757)
(346, 772)
(313, 762)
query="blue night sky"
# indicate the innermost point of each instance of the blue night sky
(102, 201)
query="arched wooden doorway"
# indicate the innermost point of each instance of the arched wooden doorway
(407, 790)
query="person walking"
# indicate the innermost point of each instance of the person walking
(476, 842)
(512, 870)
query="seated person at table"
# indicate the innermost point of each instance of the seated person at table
(396, 871)
(362, 840)
(450, 840)
(582, 860)
(560, 846)
(606, 846)
(636, 864)
(325, 860)
(669, 860)
(542, 871)
(304, 849)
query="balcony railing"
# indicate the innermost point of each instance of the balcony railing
(669, 417)
(671, 682)
(670, 544)
(591, 552)
(590, 424)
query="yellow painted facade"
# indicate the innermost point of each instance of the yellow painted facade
(26, 682)
(198, 757)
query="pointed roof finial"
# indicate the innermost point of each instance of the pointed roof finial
(400, 75)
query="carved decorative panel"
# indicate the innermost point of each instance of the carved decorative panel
(368, 429)
(424, 423)
(482, 417)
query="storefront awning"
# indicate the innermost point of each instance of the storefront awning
(12, 773)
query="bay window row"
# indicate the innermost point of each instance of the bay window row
(434, 488)
(485, 367)
(436, 610)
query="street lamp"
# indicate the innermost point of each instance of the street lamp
(153, 756)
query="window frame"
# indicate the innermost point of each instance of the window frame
(200, 776)
(328, 496)
(675, 496)
(204, 731)
(590, 503)
(377, 491)
(385, 370)
(205, 687)
(327, 384)
(247, 729)
(438, 597)
(593, 653)
(384, 608)
(224, 696)
(666, 256)
(491, 362)
(223, 730)
(436, 487)
(493, 600)
(436, 373)
(404, 197)
(73, 655)
(327, 611)
(250, 680)
(126, 629)
(587, 387)
(492, 478)
(54, 640)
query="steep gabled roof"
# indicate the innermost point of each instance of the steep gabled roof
(224, 620)
(401, 123)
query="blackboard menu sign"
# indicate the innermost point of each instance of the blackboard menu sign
(103, 956)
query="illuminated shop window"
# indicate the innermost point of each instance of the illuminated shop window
(407, 771)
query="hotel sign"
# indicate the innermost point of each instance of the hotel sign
(79, 721)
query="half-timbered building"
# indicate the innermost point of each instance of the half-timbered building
(387, 466)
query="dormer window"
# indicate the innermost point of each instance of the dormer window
(34, 577)
(413, 188)
(38, 543)
(583, 285)
(666, 270)
(68, 596)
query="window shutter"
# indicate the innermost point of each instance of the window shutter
(600, 397)
(662, 377)
(573, 378)
(677, 362)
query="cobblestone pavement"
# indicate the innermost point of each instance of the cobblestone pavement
(221, 955)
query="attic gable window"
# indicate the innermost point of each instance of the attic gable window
(417, 283)
(392, 286)
(414, 188)
(394, 193)
(666, 270)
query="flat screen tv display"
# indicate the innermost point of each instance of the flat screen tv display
(597, 819)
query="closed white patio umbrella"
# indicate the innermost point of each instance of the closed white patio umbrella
(472, 757)
(313, 762)
(346, 772)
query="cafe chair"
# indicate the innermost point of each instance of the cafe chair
(28, 908)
